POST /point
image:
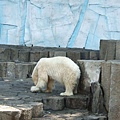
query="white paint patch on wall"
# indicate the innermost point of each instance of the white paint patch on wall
(59, 23)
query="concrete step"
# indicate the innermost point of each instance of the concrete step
(24, 105)
(70, 114)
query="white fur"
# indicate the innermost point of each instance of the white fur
(34, 89)
(62, 69)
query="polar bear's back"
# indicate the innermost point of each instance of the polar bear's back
(59, 62)
(59, 68)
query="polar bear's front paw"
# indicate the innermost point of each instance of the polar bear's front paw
(34, 89)
(66, 94)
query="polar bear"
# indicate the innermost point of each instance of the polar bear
(61, 69)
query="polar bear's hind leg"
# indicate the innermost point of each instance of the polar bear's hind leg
(49, 85)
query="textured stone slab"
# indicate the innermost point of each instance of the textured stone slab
(24, 70)
(105, 82)
(114, 103)
(14, 55)
(73, 55)
(9, 113)
(97, 100)
(59, 53)
(94, 55)
(21, 70)
(23, 56)
(90, 73)
(37, 110)
(3, 69)
(10, 70)
(7, 69)
(108, 49)
(77, 102)
(34, 56)
(26, 111)
(44, 54)
(117, 50)
(54, 103)
(85, 55)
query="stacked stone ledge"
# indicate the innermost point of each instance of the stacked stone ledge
(21, 112)
(110, 83)
(91, 83)
(16, 70)
(22, 62)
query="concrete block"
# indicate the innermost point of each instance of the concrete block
(54, 103)
(23, 55)
(105, 82)
(9, 113)
(7, 54)
(34, 56)
(77, 102)
(117, 50)
(59, 53)
(21, 70)
(37, 110)
(94, 55)
(14, 55)
(24, 70)
(85, 55)
(51, 53)
(97, 100)
(26, 111)
(3, 69)
(44, 54)
(90, 73)
(73, 55)
(31, 66)
(2, 54)
(107, 49)
(114, 103)
(10, 70)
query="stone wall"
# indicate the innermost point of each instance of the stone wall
(33, 54)
(19, 61)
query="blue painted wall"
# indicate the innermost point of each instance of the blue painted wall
(59, 23)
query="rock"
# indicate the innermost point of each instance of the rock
(34, 56)
(24, 70)
(26, 111)
(21, 70)
(59, 53)
(94, 55)
(3, 69)
(95, 117)
(37, 110)
(10, 70)
(77, 102)
(23, 55)
(54, 103)
(114, 102)
(90, 73)
(9, 113)
(73, 55)
(97, 101)
(108, 49)
(105, 82)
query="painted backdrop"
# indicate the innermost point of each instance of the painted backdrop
(59, 23)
